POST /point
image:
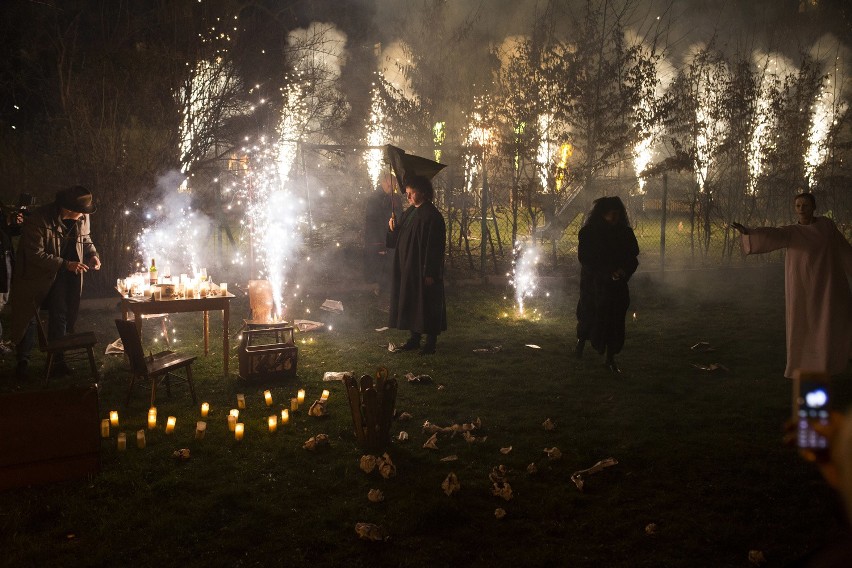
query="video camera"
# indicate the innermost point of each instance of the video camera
(24, 207)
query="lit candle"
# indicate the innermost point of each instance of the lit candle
(122, 442)
(241, 401)
(324, 396)
(273, 423)
(205, 409)
(152, 418)
(223, 288)
(238, 431)
(170, 424)
(285, 416)
(294, 404)
(267, 395)
(232, 422)
(105, 428)
(200, 429)
(140, 439)
(235, 413)
(113, 417)
(301, 396)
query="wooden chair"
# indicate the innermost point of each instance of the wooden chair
(156, 368)
(71, 342)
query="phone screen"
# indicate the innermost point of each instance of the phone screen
(812, 407)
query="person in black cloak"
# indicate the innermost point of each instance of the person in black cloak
(608, 257)
(381, 204)
(417, 284)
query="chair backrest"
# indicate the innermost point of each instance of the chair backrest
(132, 345)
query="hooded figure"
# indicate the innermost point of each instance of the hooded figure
(54, 251)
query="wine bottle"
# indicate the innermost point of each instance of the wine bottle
(152, 272)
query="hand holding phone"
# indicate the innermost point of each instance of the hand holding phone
(811, 407)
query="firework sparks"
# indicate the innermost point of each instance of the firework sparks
(824, 112)
(377, 134)
(524, 278)
(478, 138)
(710, 129)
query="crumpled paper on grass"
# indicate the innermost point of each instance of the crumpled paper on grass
(375, 495)
(451, 484)
(577, 476)
(492, 349)
(387, 469)
(329, 376)
(369, 531)
(548, 424)
(316, 442)
(711, 367)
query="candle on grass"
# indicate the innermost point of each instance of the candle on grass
(113, 417)
(140, 439)
(241, 401)
(294, 404)
(235, 413)
(122, 442)
(285, 416)
(300, 396)
(324, 396)
(273, 423)
(205, 409)
(238, 431)
(232, 422)
(267, 396)
(105, 428)
(200, 429)
(170, 424)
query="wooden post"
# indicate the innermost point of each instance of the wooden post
(664, 207)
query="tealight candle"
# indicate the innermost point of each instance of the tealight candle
(324, 396)
(301, 396)
(294, 404)
(170, 424)
(200, 429)
(241, 401)
(273, 423)
(121, 444)
(235, 413)
(105, 428)
(140, 439)
(223, 288)
(152, 418)
(205, 409)
(238, 431)
(285, 416)
(113, 417)
(232, 422)
(267, 395)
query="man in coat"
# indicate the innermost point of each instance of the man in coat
(54, 252)
(817, 267)
(10, 225)
(417, 283)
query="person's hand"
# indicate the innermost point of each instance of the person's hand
(824, 460)
(94, 263)
(618, 274)
(391, 224)
(739, 227)
(75, 267)
(429, 280)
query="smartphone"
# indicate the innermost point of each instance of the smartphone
(810, 406)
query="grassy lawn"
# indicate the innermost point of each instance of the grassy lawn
(700, 453)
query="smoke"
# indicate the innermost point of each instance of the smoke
(395, 65)
(175, 233)
(318, 49)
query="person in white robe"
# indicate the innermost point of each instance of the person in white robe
(817, 273)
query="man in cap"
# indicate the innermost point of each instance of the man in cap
(54, 252)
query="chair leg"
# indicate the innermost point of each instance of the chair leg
(92, 363)
(166, 332)
(50, 357)
(130, 390)
(168, 385)
(189, 380)
(153, 390)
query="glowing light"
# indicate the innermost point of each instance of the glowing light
(824, 112)
(524, 278)
(377, 134)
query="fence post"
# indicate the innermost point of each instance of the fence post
(664, 206)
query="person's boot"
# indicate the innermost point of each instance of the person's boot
(578, 349)
(429, 346)
(22, 370)
(412, 343)
(611, 364)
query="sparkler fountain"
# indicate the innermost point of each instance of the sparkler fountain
(523, 277)
(826, 108)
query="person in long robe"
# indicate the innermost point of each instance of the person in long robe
(417, 284)
(608, 254)
(817, 269)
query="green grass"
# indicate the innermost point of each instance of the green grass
(699, 453)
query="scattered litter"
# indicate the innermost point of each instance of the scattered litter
(403, 436)
(493, 349)
(548, 424)
(651, 529)
(499, 513)
(182, 454)
(471, 439)
(305, 326)
(451, 484)
(532, 469)
(577, 476)
(432, 442)
(756, 557)
(532, 346)
(440, 386)
(115, 348)
(391, 347)
(502, 489)
(315, 442)
(428, 427)
(334, 306)
(553, 453)
(387, 469)
(329, 376)
(711, 367)
(368, 463)
(412, 378)
(451, 458)
(369, 531)
(382, 328)
(375, 496)
(498, 473)
(703, 347)
(506, 451)
(317, 408)
(404, 416)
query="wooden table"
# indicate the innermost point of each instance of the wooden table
(140, 306)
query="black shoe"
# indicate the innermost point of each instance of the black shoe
(60, 369)
(428, 349)
(409, 345)
(21, 371)
(578, 350)
(613, 367)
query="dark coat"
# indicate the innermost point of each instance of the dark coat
(420, 240)
(38, 261)
(7, 231)
(604, 249)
